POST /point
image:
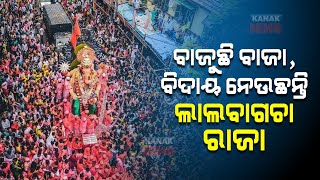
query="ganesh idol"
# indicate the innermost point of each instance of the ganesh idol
(84, 83)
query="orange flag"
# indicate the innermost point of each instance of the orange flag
(75, 34)
(76, 28)
(73, 41)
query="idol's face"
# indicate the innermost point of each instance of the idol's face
(85, 55)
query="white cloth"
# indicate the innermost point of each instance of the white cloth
(5, 124)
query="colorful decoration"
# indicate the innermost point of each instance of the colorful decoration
(64, 67)
(84, 83)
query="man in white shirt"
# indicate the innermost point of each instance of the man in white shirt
(50, 139)
(2, 30)
(41, 32)
(133, 54)
(25, 47)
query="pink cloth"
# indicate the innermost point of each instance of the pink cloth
(91, 125)
(77, 123)
(66, 89)
(59, 90)
(67, 124)
(83, 123)
(120, 165)
(87, 174)
(93, 171)
(47, 89)
(107, 119)
(67, 106)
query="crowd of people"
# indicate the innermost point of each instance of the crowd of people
(144, 107)
(135, 94)
(34, 143)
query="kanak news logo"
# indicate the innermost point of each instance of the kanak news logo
(158, 146)
(266, 24)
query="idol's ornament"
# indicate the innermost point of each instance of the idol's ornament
(84, 83)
